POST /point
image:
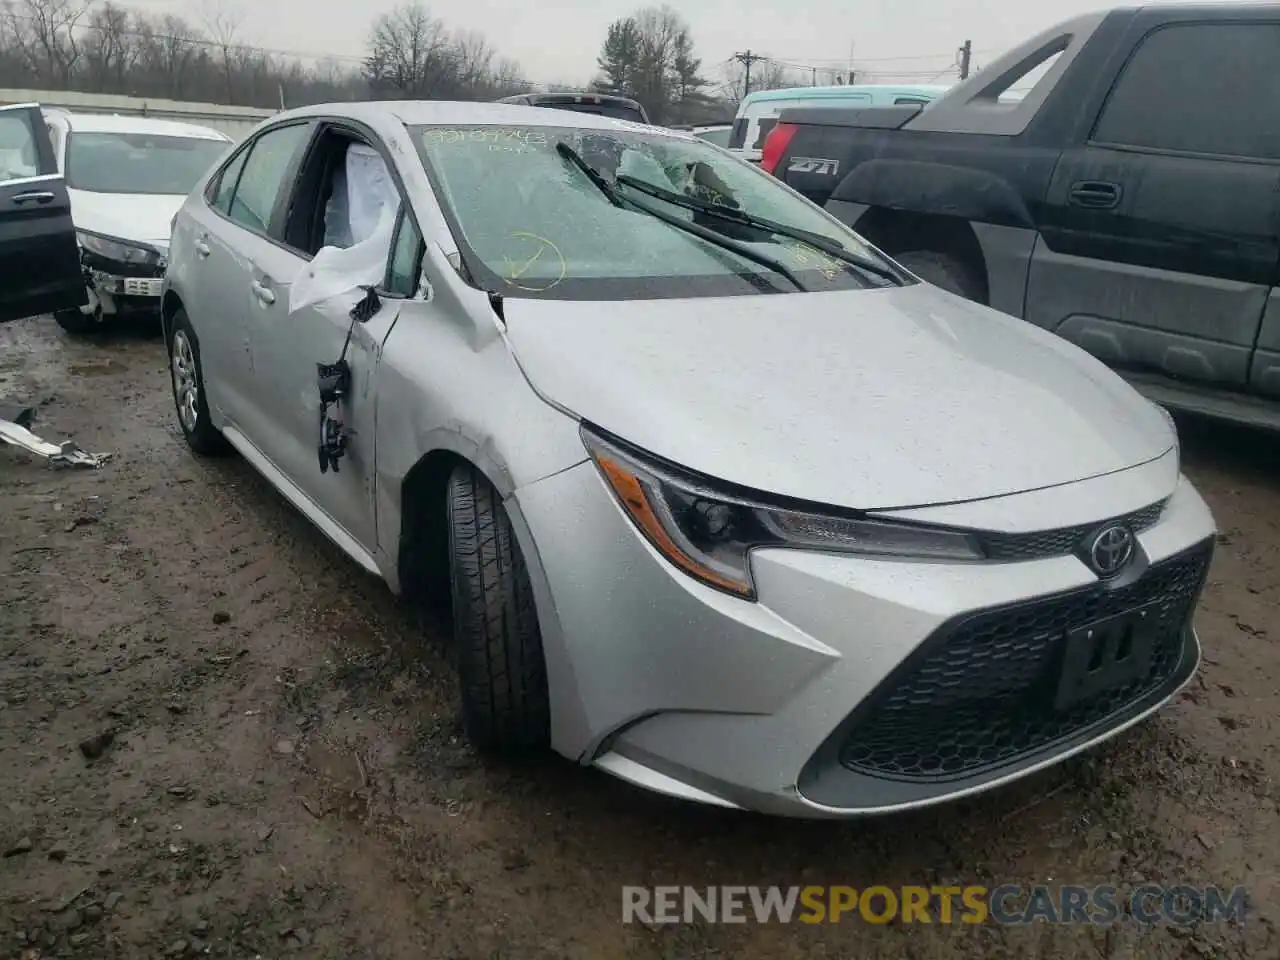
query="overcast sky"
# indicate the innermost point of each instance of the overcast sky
(900, 40)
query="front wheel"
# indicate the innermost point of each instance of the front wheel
(187, 378)
(501, 670)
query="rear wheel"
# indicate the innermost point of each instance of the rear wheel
(187, 378)
(943, 270)
(501, 670)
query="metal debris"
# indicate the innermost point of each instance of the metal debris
(66, 453)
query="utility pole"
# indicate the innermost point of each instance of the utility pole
(966, 55)
(814, 81)
(747, 59)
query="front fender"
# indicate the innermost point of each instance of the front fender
(442, 389)
(923, 187)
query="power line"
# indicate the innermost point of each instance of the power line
(904, 75)
(819, 61)
(747, 59)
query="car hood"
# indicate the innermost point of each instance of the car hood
(870, 399)
(143, 217)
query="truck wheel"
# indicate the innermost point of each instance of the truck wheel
(501, 671)
(187, 379)
(945, 271)
(73, 321)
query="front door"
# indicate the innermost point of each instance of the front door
(39, 259)
(340, 236)
(1161, 232)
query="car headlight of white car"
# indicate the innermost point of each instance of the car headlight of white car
(709, 533)
(122, 251)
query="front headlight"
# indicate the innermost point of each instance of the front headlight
(709, 534)
(119, 250)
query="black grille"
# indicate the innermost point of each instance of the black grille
(982, 693)
(1062, 541)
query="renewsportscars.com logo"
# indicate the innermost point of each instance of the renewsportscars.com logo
(1181, 905)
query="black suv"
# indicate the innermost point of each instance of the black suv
(604, 104)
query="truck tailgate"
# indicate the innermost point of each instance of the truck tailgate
(818, 153)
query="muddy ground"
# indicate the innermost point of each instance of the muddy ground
(285, 775)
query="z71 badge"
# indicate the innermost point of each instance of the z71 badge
(826, 168)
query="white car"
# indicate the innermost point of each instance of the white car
(126, 177)
(725, 502)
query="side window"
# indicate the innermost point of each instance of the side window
(405, 264)
(263, 175)
(225, 187)
(19, 157)
(345, 196)
(1199, 88)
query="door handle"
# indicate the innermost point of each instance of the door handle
(263, 293)
(202, 248)
(1095, 194)
(39, 196)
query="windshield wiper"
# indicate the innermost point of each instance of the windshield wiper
(816, 240)
(594, 175)
(710, 236)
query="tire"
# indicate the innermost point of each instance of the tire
(501, 670)
(945, 271)
(77, 323)
(186, 377)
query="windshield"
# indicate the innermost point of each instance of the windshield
(719, 136)
(530, 223)
(139, 162)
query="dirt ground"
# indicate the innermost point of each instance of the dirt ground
(285, 774)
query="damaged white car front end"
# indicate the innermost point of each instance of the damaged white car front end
(126, 177)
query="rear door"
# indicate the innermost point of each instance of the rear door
(39, 259)
(1161, 230)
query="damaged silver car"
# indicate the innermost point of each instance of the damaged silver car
(723, 501)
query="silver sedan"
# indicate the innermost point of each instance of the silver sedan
(722, 500)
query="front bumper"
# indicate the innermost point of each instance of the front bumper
(118, 286)
(854, 685)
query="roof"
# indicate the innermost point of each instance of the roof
(115, 123)
(464, 113)
(821, 93)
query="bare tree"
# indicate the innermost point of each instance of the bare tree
(110, 47)
(43, 34)
(650, 56)
(409, 53)
(174, 54)
(413, 55)
(223, 23)
(115, 49)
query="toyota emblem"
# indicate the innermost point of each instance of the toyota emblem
(1110, 550)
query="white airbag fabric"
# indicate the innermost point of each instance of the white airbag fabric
(372, 205)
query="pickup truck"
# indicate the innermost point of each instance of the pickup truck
(1115, 179)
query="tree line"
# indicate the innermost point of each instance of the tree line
(113, 48)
